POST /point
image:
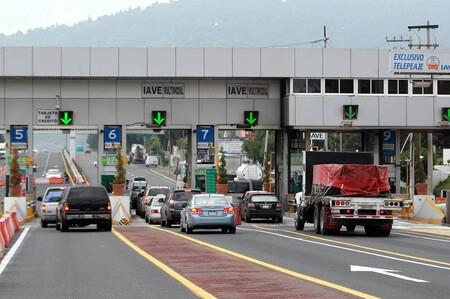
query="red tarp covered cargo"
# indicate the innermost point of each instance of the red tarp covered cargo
(353, 179)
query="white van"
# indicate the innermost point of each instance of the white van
(151, 161)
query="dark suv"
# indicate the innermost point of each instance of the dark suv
(261, 204)
(81, 206)
(173, 204)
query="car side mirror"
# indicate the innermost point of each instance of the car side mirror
(39, 199)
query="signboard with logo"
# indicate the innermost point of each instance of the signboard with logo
(112, 137)
(205, 137)
(162, 90)
(317, 136)
(416, 61)
(47, 117)
(239, 90)
(19, 137)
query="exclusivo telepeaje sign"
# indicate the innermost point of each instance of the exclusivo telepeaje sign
(416, 61)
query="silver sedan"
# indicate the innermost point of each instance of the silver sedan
(208, 211)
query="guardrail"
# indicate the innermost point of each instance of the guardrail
(75, 175)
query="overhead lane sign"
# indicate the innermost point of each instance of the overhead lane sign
(66, 118)
(350, 112)
(416, 61)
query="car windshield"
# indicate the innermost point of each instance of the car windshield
(184, 196)
(210, 201)
(264, 198)
(155, 202)
(53, 196)
(156, 191)
(53, 171)
(139, 179)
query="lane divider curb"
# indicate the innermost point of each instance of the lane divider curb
(273, 267)
(196, 290)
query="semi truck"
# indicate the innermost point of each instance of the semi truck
(345, 189)
(137, 154)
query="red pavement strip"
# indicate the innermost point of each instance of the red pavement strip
(219, 274)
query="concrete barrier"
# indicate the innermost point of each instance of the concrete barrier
(121, 214)
(425, 210)
(5, 231)
(18, 205)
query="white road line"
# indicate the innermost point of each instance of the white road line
(13, 250)
(347, 249)
(422, 237)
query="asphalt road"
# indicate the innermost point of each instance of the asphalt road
(83, 263)
(86, 162)
(330, 258)
(150, 174)
(45, 161)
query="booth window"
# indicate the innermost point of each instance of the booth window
(364, 86)
(444, 87)
(346, 86)
(306, 85)
(331, 86)
(397, 86)
(422, 87)
(377, 86)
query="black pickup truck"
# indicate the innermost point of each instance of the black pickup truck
(82, 206)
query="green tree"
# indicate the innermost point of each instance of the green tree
(120, 170)
(14, 170)
(154, 144)
(254, 146)
(182, 143)
(222, 171)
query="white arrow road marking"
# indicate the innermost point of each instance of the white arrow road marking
(354, 268)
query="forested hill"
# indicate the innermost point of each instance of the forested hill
(248, 23)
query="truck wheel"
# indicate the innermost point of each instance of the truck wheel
(58, 226)
(280, 219)
(168, 223)
(384, 230)
(370, 230)
(317, 227)
(350, 228)
(299, 224)
(232, 229)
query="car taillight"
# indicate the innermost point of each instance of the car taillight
(229, 210)
(109, 206)
(66, 207)
(43, 208)
(278, 205)
(154, 211)
(196, 211)
(251, 205)
(385, 212)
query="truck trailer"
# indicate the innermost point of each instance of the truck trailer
(346, 189)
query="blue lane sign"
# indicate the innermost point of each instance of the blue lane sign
(19, 137)
(205, 137)
(112, 137)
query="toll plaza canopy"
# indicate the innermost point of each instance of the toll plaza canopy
(353, 179)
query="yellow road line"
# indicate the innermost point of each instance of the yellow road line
(358, 246)
(67, 170)
(423, 234)
(199, 292)
(272, 267)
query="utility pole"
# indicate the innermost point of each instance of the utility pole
(325, 37)
(428, 27)
(398, 40)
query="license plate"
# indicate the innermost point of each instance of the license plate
(265, 206)
(212, 213)
(88, 216)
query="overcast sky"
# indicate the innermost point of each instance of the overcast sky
(22, 15)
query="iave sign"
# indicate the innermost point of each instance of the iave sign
(317, 136)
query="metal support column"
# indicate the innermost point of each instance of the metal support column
(193, 156)
(430, 163)
(398, 168)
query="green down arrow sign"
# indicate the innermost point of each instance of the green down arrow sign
(350, 112)
(251, 118)
(65, 118)
(159, 117)
(446, 114)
